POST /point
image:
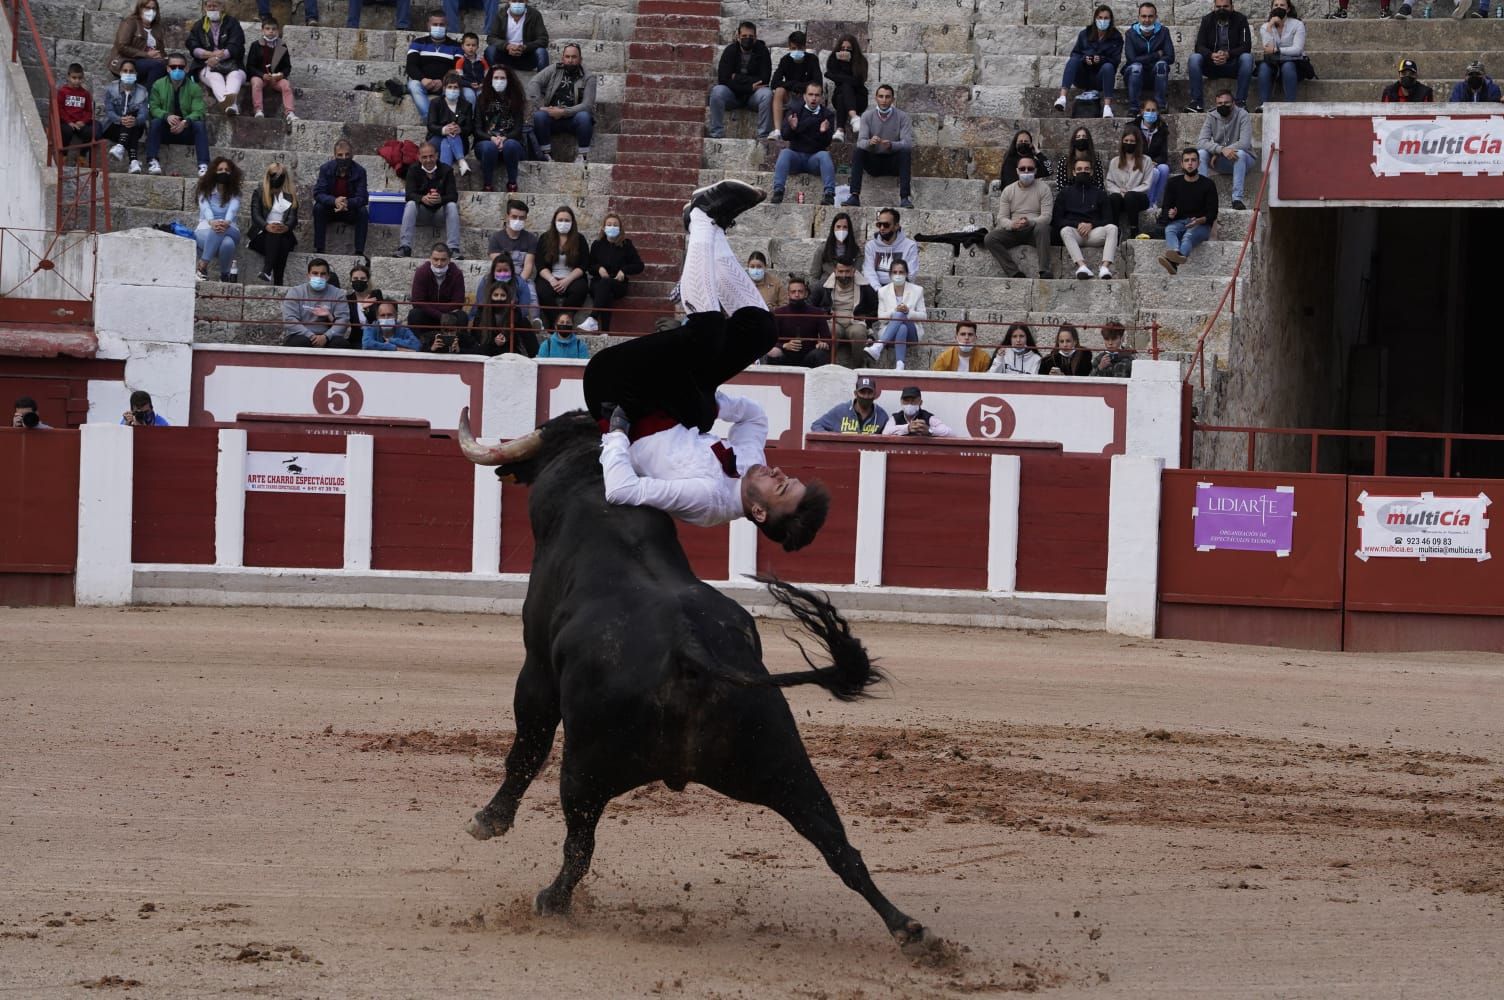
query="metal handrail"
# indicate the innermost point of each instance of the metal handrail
(1379, 439)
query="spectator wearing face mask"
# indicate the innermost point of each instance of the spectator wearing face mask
(498, 322)
(340, 195)
(965, 355)
(176, 106)
(1283, 39)
(520, 246)
(313, 313)
(741, 81)
(138, 39)
(1129, 176)
(217, 235)
(385, 335)
(499, 119)
(809, 129)
(269, 65)
(613, 259)
(884, 147)
(1148, 54)
(1024, 211)
(438, 290)
(1082, 147)
(1094, 60)
(889, 244)
(1189, 209)
(563, 256)
(1018, 355)
(1407, 89)
(362, 297)
(564, 95)
(217, 43)
(1083, 217)
(274, 217)
(451, 124)
(1476, 87)
(1021, 146)
(430, 58)
(516, 37)
(900, 307)
(838, 244)
(792, 74)
(563, 343)
(432, 198)
(1156, 140)
(846, 69)
(851, 303)
(769, 285)
(142, 413)
(1068, 357)
(124, 106)
(1224, 49)
(1226, 144)
(913, 420)
(861, 416)
(802, 329)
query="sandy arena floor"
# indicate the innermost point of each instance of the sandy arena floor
(202, 802)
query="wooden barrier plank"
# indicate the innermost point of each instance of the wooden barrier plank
(173, 495)
(935, 527)
(422, 507)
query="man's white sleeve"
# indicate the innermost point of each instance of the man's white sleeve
(749, 424)
(940, 429)
(625, 487)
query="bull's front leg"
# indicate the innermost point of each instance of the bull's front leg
(535, 708)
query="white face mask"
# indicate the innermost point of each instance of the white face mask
(1026, 178)
(129, 79)
(438, 272)
(755, 273)
(841, 235)
(212, 15)
(899, 279)
(387, 321)
(515, 225)
(148, 15)
(499, 84)
(451, 95)
(563, 226)
(964, 349)
(910, 410)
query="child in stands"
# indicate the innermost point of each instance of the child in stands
(75, 112)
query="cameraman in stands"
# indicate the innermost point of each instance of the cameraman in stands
(142, 413)
(26, 418)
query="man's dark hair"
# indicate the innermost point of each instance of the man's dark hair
(140, 398)
(797, 279)
(177, 55)
(1149, 5)
(440, 247)
(1190, 151)
(319, 262)
(516, 205)
(1224, 92)
(968, 324)
(816, 84)
(437, 12)
(885, 86)
(893, 212)
(746, 24)
(797, 38)
(1019, 162)
(26, 403)
(796, 530)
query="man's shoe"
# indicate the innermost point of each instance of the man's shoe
(403, 252)
(454, 254)
(1083, 272)
(905, 203)
(135, 167)
(117, 151)
(1107, 111)
(1237, 203)
(1166, 263)
(1196, 108)
(259, 114)
(829, 198)
(1404, 13)
(774, 135)
(1384, 14)
(154, 167)
(724, 201)
(777, 198)
(898, 366)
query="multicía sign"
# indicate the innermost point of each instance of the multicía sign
(1468, 146)
(1423, 527)
(1251, 519)
(285, 472)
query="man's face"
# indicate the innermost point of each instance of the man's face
(1190, 163)
(746, 36)
(19, 416)
(864, 397)
(1224, 100)
(966, 337)
(1147, 16)
(177, 64)
(438, 259)
(144, 414)
(1081, 168)
(470, 47)
(512, 213)
(813, 95)
(1222, 7)
(771, 493)
(887, 227)
(912, 401)
(884, 98)
(436, 21)
(343, 154)
(1113, 340)
(797, 292)
(570, 56)
(427, 158)
(844, 274)
(319, 271)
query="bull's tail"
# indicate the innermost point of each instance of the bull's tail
(851, 671)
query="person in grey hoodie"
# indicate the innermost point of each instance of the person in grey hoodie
(314, 314)
(889, 244)
(884, 147)
(564, 95)
(1226, 144)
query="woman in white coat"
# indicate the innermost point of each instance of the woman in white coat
(1018, 355)
(900, 307)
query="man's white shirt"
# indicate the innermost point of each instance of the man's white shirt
(677, 470)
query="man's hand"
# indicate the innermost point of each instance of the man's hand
(621, 275)
(1199, 220)
(1084, 228)
(127, 416)
(1020, 223)
(1219, 57)
(341, 204)
(825, 126)
(515, 49)
(318, 340)
(1056, 371)
(557, 112)
(432, 197)
(919, 426)
(603, 272)
(1229, 153)
(794, 345)
(129, 121)
(620, 421)
(1171, 213)
(433, 86)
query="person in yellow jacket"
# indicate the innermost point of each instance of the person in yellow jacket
(965, 352)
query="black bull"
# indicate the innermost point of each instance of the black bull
(655, 675)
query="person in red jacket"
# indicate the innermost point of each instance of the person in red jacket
(75, 112)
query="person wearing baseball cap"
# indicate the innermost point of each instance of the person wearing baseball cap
(1477, 87)
(861, 416)
(1407, 89)
(915, 420)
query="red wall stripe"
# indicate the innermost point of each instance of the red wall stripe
(39, 501)
(935, 526)
(173, 491)
(832, 556)
(1062, 524)
(293, 529)
(422, 509)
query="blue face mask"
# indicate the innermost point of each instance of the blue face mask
(1103, 24)
(797, 55)
(129, 79)
(318, 283)
(755, 273)
(1151, 117)
(437, 31)
(518, 9)
(1153, 28)
(177, 75)
(612, 232)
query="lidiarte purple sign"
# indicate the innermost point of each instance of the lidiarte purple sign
(1235, 517)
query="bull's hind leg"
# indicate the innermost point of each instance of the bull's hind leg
(535, 709)
(584, 792)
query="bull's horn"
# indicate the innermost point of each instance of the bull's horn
(517, 450)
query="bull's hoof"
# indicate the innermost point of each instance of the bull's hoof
(483, 826)
(551, 903)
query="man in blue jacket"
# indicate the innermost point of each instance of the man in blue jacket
(808, 129)
(1147, 51)
(430, 57)
(861, 416)
(340, 195)
(1476, 88)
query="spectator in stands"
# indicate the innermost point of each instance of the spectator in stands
(846, 69)
(1188, 212)
(176, 107)
(1476, 87)
(451, 124)
(1024, 211)
(563, 257)
(802, 329)
(340, 195)
(124, 104)
(402, 18)
(809, 129)
(900, 307)
(1283, 38)
(1018, 355)
(26, 417)
(888, 244)
(1224, 49)
(914, 420)
(1147, 52)
(269, 65)
(861, 416)
(563, 343)
(1157, 144)
(362, 297)
(1094, 60)
(473, 70)
(136, 39)
(1083, 217)
(453, 336)
(432, 197)
(1068, 358)
(1129, 176)
(769, 285)
(499, 120)
(965, 352)
(498, 323)
(385, 335)
(884, 147)
(565, 98)
(142, 413)
(613, 259)
(314, 314)
(1082, 146)
(1226, 144)
(514, 242)
(519, 39)
(1407, 89)
(794, 72)
(742, 77)
(217, 44)
(1114, 360)
(217, 235)
(837, 245)
(851, 302)
(438, 290)
(274, 217)
(75, 113)
(430, 58)
(1021, 146)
